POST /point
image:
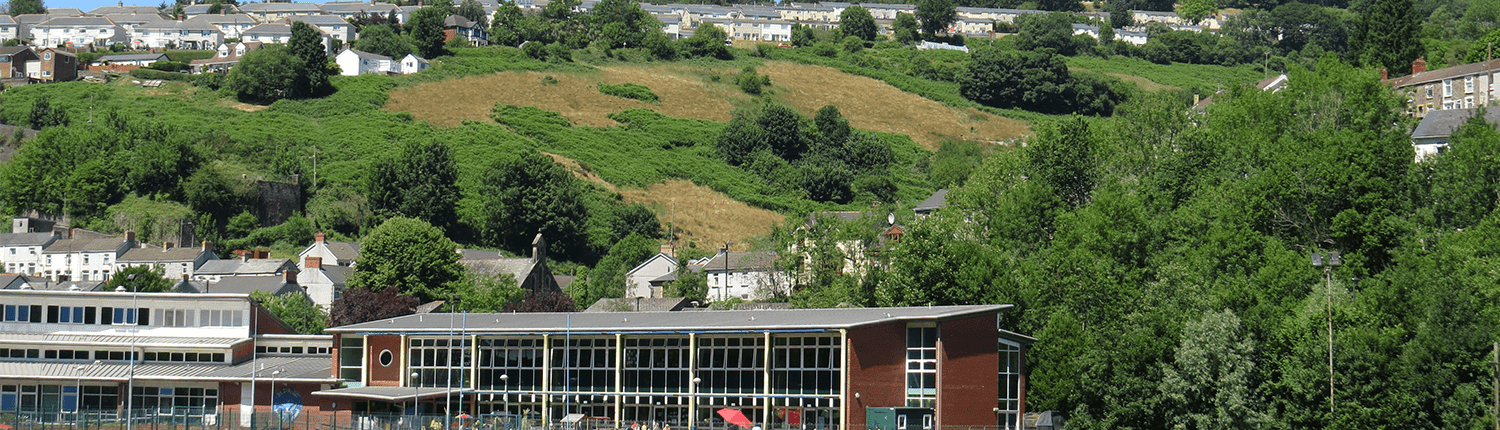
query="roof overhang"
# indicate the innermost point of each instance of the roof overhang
(389, 394)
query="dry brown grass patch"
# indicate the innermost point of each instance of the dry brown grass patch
(575, 95)
(874, 105)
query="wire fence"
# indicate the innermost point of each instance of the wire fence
(229, 418)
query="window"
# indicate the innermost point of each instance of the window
(656, 365)
(519, 360)
(163, 399)
(47, 56)
(921, 365)
(440, 362)
(217, 318)
(351, 358)
(17, 313)
(805, 365)
(1468, 84)
(1447, 88)
(731, 364)
(586, 364)
(1010, 385)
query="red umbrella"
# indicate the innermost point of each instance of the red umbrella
(734, 416)
(791, 416)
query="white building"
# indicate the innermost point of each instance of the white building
(77, 31)
(638, 279)
(274, 33)
(350, 10)
(216, 270)
(745, 276)
(223, 60)
(82, 259)
(323, 283)
(22, 252)
(231, 24)
(411, 64)
(267, 12)
(333, 26)
(177, 35)
(174, 262)
(333, 253)
(9, 29)
(352, 63)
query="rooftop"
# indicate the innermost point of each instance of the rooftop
(605, 322)
(1442, 123)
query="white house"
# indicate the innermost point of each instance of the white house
(353, 9)
(267, 12)
(177, 35)
(776, 31)
(354, 62)
(130, 22)
(231, 24)
(141, 60)
(274, 33)
(411, 64)
(22, 252)
(77, 31)
(744, 275)
(9, 29)
(174, 262)
(216, 270)
(81, 259)
(223, 60)
(323, 283)
(333, 26)
(331, 253)
(638, 279)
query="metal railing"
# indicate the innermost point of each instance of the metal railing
(229, 418)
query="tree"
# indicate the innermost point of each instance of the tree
(359, 305)
(473, 11)
(622, 23)
(44, 115)
(1466, 178)
(1032, 80)
(1060, 5)
(1209, 381)
(522, 195)
(607, 279)
(936, 15)
(420, 182)
(503, 28)
(382, 40)
(216, 7)
(802, 36)
(25, 7)
(306, 47)
(1058, 385)
(1387, 36)
(264, 75)
(1064, 158)
(479, 293)
(708, 41)
(905, 28)
(1195, 10)
(426, 30)
(1046, 30)
(142, 279)
(410, 255)
(544, 302)
(294, 309)
(856, 21)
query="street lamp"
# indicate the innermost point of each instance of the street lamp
(505, 385)
(416, 393)
(273, 398)
(1333, 261)
(724, 293)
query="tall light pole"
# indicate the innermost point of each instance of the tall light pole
(135, 331)
(505, 401)
(78, 395)
(724, 293)
(1333, 261)
(273, 399)
(416, 394)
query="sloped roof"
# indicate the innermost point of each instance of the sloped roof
(154, 254)
(301, 368)
(77, 21)
(179, 25)
(132, 57)
(1444, 73)
(139, 10)
(62, 246)
(280, 7)
(321, 20)
(518, 267)
(457, 21)
(274, 285)
(1442, 123)
(244, 267)
(228, 18)
(123, 19)
(202, 9)
(341, 250)
(6, 19)
(748, 320)
(367, 56)
(936, 200)
(743, 261)
(479, 254)
(337, 274)
(22, 239)
(270, 28)
(638, 304)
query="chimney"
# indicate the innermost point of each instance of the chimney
(320, 237)
(1385, 74)
(1419, 66)
(130, 237)
(312, 262)
(289, 275)
(208, 246)
(167, 245)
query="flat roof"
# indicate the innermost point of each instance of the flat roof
(389, 394)
(312, 368)
(638, 322)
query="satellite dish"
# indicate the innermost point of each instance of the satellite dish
(890, 218)
(120, 289)
(74, 287)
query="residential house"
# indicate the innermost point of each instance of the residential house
(324, 283)
(22, 252)
(173, 262)
(84, 259)
(190, 356)
(411, 64)
(123, 10)
(1433, 134)
(139, 60)
(201, 9)
(745, 275)
(14, 61)
(333, 26)
(267, 12)
(55, 65)
(132, 22)
(354, 62)
(1136, 38)
(638, 279)
(1458, 87)
(274, 33)
(9, 28)
(177, 35)
(227, 56)
(350, 10)
(1143, 17)
(934, 202)
(333, 253)
(530, 273)
(77, 31)
(458, 26)
(216, 270)
(775, 30)
(13, 281)
(756, 13)
(246, 284)
(889, 11)
(811, 13)
(231, 24)
(974, 26)
(671, 25)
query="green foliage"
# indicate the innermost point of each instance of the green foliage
(1195, 10)
(472, 10)
(708, 41)
(750, 82)
(525, 195)
(1036, 81)
(189, 56)
(410, 255)
(856, 21)
(502, 27)
(1210, 381)
(1386, 36)
(139, 278)
(905, 28)
(419, 182)
(157, 74)
(630, 91)
(853, 44)
(1465, 180)
(607, 279)
(426, 30)
(43, 115)
(802, 36)
(382, 40)
(266, 75)
(169, 66)
(479, 293)
(24, 7)
(1047, 30)
(935, 15)
(296, 310)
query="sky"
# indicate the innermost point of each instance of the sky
(88, 5)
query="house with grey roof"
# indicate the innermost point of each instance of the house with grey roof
(333, 26)
(201, 9)
(531, 273)
(638, 279)
(213, 270)
(324, 283)
(78, 31)
(458, 26)
(22, 252)
(268, 12)
(173, 262)
(1434, 133)
(141, 60)
(227, 57)
(934, 202)
(176, 35)
(124, 10)
(354, 9)
(9, 28)
(276, 32)
(132, 21)
(231, 24)
(273, 285)
(331, 252)
(84, 259)
(745, 276)
(353, 62)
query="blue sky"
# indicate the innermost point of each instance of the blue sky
(87, 5)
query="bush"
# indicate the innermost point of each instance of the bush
(189, 56)
(630, 91)
(750, 82)
(157, 74)
(825, 49)
(168, 66)
(535, 50)
(212, 81)
(853, 44)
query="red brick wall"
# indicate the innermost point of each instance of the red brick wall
(229, 395)
(337, 350)
(384, 376)
(242, 352)
(876, 370)
(968, 367)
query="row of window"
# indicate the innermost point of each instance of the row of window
(310, 350)
(56, 314)
(84, 355)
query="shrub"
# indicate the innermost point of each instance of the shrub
(549, 80)
(750, 82)
(630, 91)
(853, 44)
(825, 49)
(169, 66)
(157, 74)
(212, 81)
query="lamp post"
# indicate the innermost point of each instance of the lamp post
(724, 293)
(505, 400)
(416, 394)
(135, 331)
(273, 398)
(77, 395)
(1333, 261)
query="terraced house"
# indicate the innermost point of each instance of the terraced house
(781, 369)
(77, 31)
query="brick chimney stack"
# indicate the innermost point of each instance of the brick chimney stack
(320, 237)
(208, 246)
(1419, 66)
(167, 245)
(1386, 74)
(312, 262)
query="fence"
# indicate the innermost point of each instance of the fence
(229, 418)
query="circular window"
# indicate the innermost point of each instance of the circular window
(385, 358)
